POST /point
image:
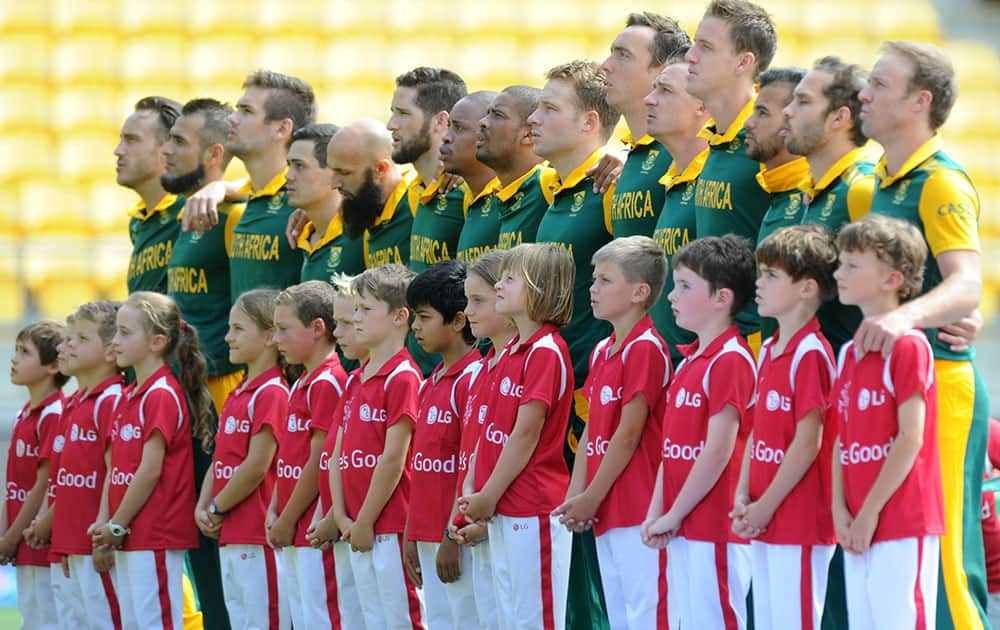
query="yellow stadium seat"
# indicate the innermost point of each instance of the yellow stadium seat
(107, 207)
(73, 16)
(219, 63)
(89, 57)
(977, 65)
(24, 153)
(86, 108)
(143, 18)
(154, 58)
(12, 293)
(907, 20)
(23, 16)
(487, 60)
(349, 57)
(421, 50)
(57, 271)
(309, 18)
(296, 55)
(110, 270)
(86, 156)
(24, 56)
(24, 106)
(221, 18)
(52, 205)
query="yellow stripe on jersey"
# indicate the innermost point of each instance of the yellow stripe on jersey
(949, 209)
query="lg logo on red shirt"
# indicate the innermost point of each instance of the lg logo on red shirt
(870, 398)
(508, 388)
(16, 494)
(296, 423)
(25, 450)
(763, 453)
(129, 433)
(243, 426)
(222, 471)
(440, 417)
(597, 446)
(69, 480)
(59, 443)
(76, 434)
(609, 395)
(494, 435)
(372, 415)
(687, 399)
(120, 478)
(776, 401)
(684, 452)
(863, 453)
(422, 463)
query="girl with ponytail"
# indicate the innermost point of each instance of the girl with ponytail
(151, 481)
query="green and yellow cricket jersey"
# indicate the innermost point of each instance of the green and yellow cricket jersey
(675, 228)
(388, 241)
(579, 220)
(198, 280)
(437, 223)
(259, 255)
(333, 254)
(727, 197)
(934, 193)
(782, 183)
(639, 195)
(482, 223)
(152, 233)
(843, 194)
(522, 203)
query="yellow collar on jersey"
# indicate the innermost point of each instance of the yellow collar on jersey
(643, 141)
(788, 176)
(506, 192)
(691, 171)
(333, 231)
(812, 188)
(919, 156)
(389, 209)
(138, 211)
(580, 172)
(709, 132)
(271, 188)
(491, 187)
(431, 190)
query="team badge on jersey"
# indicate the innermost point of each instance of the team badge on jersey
(164, 218)
(828, 208)
(734, 145)
(650, 160)
(517, 201)
(275, 203)
(334, 261)
(688, 192)
(900, 195)
(794, 203)
(578, 201)
(442, 204)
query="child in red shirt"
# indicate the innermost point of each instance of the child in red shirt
(888, 508)
(34, 366)
(782, 499)
(520, 475)
(151, 494)
(704, 429)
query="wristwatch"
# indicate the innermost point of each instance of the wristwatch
(118, 531)
(214, 509)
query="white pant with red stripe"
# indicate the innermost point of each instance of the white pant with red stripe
(250, 585)
(707, 584)
(150, 588)
(451, 605)
(34, 597)
(893, 584)
(388, 598)
(634, 579)
(351, 615)
(530, 571)
(482, 585)
(309, 586)
(85, 599)
(789, 584)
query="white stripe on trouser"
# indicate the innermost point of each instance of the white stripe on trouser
(80, 598)
(138, 587)
(630, 574)
(34, 598)
(778, 585)
(382, 588)
(517, 552)
(882, 582)
(351, 615)
(482, 585)
(304, 581)
(247, 592)
(693, 599)
(451, 605)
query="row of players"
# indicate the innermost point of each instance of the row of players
(453, 483)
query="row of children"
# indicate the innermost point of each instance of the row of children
(335, 496)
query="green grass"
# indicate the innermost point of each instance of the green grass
(10, 619)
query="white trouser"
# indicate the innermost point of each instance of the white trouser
(250, 585)
(309, 586)
(789, 584)
(351, 615)
(85, 599)
(530, 571)
(707, 584)
(893, 584)
(150, 588)
(389, 600)
(634, 578)
(482, 585)
(451, 605)
(34, 598)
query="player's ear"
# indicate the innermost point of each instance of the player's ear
(214, 155)
(440, 122)
(746, 63)
(458, 322)
(641, 293)
(283, 129)
(591, 121)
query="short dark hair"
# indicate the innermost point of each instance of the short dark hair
(437, 89)
(932, 71)
(724, 262)
(526, 99)
(312, 299)
(750, 29)
(591, 87)
(843, 89)
(290, 97)
(441, 287)
(791, 76)
(320, 135)
(167, 112)
(46, 335)
(216, 114)
(669, 39)
(803, 251)
(895, 242)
